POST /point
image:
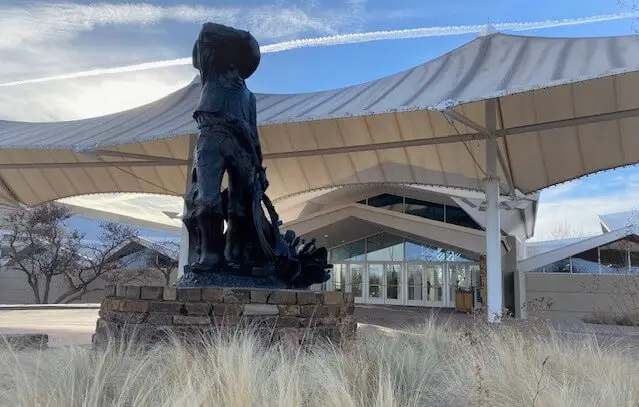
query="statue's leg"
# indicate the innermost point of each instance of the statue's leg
(190, 221)
(208, 211)
(240, 230)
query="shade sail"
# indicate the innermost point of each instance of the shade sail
(566, 107)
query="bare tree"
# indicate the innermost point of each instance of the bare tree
(564, 231)
(41, 247)
(162, 264)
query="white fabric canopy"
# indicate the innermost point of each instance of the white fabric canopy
(566, 108)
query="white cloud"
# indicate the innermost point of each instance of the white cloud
(52, 22)
(46, 39)
(90, 97)
(581, 214)
(559, 192)
(356, 6)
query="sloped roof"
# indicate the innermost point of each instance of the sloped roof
(566, 108)
(614, 221)
(444, 234)
(169, 247)
(564, 252)
(534, 248)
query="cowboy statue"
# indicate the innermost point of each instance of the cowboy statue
(251, 252)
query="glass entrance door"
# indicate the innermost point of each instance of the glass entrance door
(384, 283)
(356, 282)
(375, 289)
(435, 284)
(393, 280)
(415, 293)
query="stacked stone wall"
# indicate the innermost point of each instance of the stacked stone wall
(150, 313)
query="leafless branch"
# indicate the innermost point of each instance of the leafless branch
(44, 249)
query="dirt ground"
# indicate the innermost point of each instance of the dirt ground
(75, 326)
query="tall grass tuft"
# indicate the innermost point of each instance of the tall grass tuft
(432, 365)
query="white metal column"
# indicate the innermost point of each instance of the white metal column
(183, 260)
(184, 246)
(493, 229)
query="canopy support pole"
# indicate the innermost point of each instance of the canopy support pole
(493, 228)
(184, 247)
(183, 260)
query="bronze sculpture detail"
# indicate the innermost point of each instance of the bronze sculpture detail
(252, 251)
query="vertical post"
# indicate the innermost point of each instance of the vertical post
(482, 286)
(183, 260)
(493, 229)
(184, 245)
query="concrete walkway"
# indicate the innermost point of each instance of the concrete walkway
(70, 326)
(75, 325)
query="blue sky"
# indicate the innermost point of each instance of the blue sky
(55, 37)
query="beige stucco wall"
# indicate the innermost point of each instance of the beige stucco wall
(15, 290)
(572, 297)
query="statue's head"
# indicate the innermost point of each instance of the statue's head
(228, 48)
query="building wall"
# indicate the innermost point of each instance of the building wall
(571, 297)
(509, 265)
(15, 290)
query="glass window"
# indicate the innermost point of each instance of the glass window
(375, 279)
(388, 202)
(339, 277)
(633, 246)
(457, 216)
(562, 266)
(423, 209)
(586, 262)
(357, 271)
(354, 251)
(614, 257)
(393, 280)
(454, 256)
(415, 275)
(434, 283)
(385, 247)
(415, 251)
(362, 202)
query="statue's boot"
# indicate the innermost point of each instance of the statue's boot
(211, 259)
(238, 234)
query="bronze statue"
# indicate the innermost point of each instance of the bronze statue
(252, 251)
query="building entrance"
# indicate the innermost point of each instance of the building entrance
(387, 269)
(427, 284)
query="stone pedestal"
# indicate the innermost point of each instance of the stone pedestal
(148, 314)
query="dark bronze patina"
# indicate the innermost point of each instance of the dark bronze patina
(252, 251)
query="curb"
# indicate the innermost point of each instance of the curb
(29, 307)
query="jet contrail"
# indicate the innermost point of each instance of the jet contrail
(348, 39)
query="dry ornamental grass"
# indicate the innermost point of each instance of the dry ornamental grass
(435, 365)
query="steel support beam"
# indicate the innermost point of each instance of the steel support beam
(493, 228)
(152, 161)
(90, 164)
(513, 131)
(135, 156)
(453, 115)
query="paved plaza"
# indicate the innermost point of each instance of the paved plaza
(75, 325)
